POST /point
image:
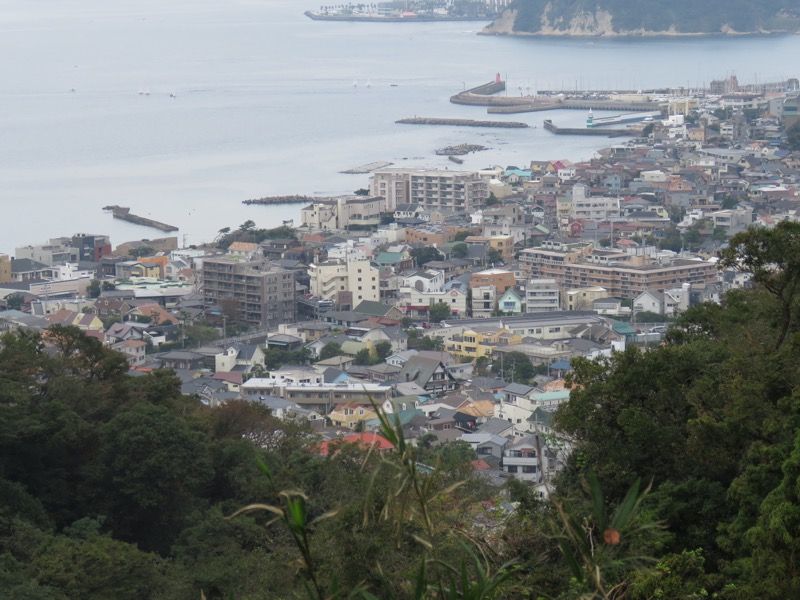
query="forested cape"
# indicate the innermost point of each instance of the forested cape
(684, 481)
(637, 17)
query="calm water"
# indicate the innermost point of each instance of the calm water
(265, 104)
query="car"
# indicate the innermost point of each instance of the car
(659, 329)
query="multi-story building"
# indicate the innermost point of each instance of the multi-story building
(622, 275)
(457, 191)
(502, 244)
(262, 294)
(500, 279)
(5, 268)
(345, 282)
(320, 397)
(542, 295)
(343, 213)
(79, 247)
(595, 208)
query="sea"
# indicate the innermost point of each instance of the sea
(182, 109)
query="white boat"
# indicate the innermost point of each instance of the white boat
(289, 222)
(369, 84)
(355, 84)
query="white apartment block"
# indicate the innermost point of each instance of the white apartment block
(594, 208)
(457, 191)
(542, 295)
(358, 277)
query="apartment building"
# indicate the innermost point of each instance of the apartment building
(263, 294)
(457, 191)
(343, 212)
(542, 295)
(320, 397)
(620, 274)
(345, 281)
(594, 208)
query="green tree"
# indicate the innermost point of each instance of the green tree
(793, 137)
(493, 256)
(383, 350)
(462, 235)
(363, 357)
(151, 469)
(141, 251)
(772, 258)
(425, 255)
(330, 350)
(459, 250)
(514, 366)
(93, 291)
(100, 567)
(439, 311)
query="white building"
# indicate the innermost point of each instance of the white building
(542, 295)
(457, 191)
(595, 208)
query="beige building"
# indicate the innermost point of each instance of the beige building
(457, 191)
(5, 268)
(583, 298)
(542, 295)
(620, 274)
(343, 213)
(337, 279)
(263, 294)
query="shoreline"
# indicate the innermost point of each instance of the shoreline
(378, 19)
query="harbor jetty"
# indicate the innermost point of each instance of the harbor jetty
(367, 168)
(459, 150)
(461, 122)
(294, 199)
(602, 131)
(124, 214)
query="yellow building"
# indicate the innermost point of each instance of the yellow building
(350, 414)
(503, 244)
(481, 341)
(5, 268)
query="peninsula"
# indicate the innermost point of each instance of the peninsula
(647, 18)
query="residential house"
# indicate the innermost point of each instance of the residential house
(350, 414)
(430, 374)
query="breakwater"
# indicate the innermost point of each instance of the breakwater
(459, 150)
(123, 213)
(368, 168)
(462, 122)
(294, 199)
(552, 128)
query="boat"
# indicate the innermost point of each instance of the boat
(369, 84)
(456, 160)
(289, 222)
(355, 84)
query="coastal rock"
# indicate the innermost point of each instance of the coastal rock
(647, 18)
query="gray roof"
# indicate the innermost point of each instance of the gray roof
(25, 265)
(518, 389)
(494, 426)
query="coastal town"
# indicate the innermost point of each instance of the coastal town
(453, 300)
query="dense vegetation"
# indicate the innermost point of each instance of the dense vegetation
(119, 487)
(685, 16)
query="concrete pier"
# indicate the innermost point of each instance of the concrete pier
(462, 122)
(552, 128)
(124, 214)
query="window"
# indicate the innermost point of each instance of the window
(529, 469)
(511, 469)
